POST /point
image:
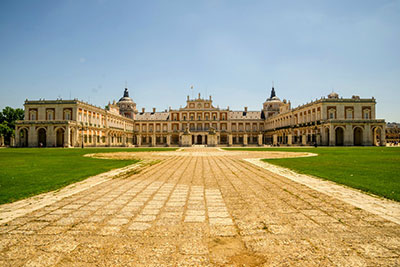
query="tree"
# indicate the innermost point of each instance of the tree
(7, 122)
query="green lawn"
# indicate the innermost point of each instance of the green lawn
(372, 169)
(30, 171)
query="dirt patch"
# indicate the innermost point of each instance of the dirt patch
(231, 251)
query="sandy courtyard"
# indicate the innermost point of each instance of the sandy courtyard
(200, 207)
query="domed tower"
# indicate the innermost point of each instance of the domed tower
(127, 107)
(272, 105)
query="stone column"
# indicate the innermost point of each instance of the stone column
(95, 140)
(274, 139)
(304, 139)
(154, 140)
(67, 137)
(138, 140)
(124, 140)
(108, 139)
(245, 140)
(290, 139)
(76, 136)
(367, 136)
(348, 136)
(260, 139)
(230, 140)
(169, 140)
(332, 136)
(51, 138)
(318, 136)
(324, 137)
(32, 137)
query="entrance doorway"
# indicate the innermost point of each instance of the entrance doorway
(358, 136)
(42, 137)
(339, 136)
(60, 137)
(199, 140)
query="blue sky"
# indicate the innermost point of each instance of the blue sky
(232, 50)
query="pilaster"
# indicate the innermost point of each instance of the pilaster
(290, 139)
(260, 139)
(67, 137)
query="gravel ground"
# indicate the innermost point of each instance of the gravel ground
(200, 207)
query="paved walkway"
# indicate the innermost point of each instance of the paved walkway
(200, 207)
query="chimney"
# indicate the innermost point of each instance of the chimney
(210, 97)
(154, 110)
(245, 109)
(143, 110)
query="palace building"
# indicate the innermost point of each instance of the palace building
(330, 121)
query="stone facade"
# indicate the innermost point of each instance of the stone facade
(393, 134)
(327, 121)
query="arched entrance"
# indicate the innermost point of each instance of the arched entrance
(339, 136)
(358, 136)
(23, 137)
(377, 135)
(42, 137)
(199, 139)
(60, 137)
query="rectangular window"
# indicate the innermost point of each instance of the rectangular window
(349, 115)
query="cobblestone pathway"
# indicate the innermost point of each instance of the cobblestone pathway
(200, 209)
